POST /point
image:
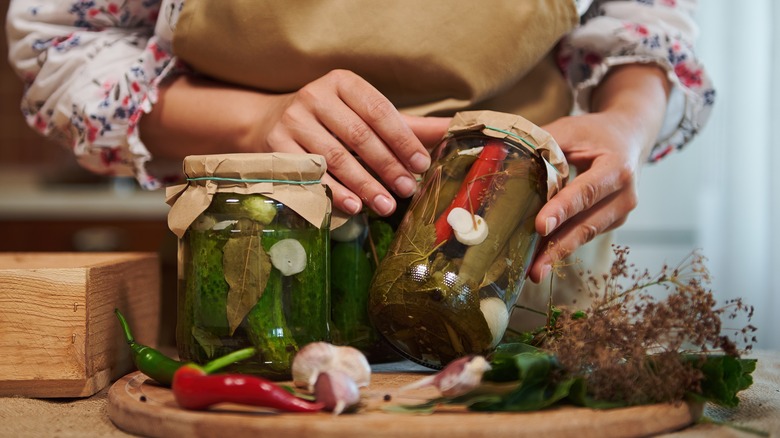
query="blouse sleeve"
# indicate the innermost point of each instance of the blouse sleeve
(91, 69)
(645, 31)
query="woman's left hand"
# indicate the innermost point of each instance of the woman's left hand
(607, 158)
(606, 148)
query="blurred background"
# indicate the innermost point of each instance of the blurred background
(719, 196)
(48, 203)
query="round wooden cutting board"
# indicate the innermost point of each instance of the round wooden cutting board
(138, 405)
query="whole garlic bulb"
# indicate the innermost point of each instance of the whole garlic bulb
(309, 361)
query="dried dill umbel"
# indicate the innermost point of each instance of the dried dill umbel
(631, 344)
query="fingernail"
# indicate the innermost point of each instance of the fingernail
(352, 206)
(405, 186)
(546, 271)
(420, 162)
(383, 205)
(549, 225)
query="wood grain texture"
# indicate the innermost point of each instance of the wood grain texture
(58, 333)
(139, 406)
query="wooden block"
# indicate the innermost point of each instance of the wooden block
(59, 336)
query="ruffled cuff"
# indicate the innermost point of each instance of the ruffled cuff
(587, 60)
(151, 175)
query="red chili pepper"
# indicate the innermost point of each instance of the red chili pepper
(475, 185)
(194, 389)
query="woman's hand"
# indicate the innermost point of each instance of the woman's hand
(336, 116)
(607, 156)
(341, 116)
(607, 149)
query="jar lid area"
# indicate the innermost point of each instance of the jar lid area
(268, 167)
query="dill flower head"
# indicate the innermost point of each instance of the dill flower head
(630, 345)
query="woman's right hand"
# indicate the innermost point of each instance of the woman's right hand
(341, 116)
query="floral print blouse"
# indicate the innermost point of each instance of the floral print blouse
(92, 69)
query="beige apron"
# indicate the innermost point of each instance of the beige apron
(428, 57)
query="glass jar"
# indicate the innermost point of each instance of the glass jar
(254, 262)
(461, 254)
(357, 247)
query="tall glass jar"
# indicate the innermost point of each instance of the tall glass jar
(253, 258)
(461, 254)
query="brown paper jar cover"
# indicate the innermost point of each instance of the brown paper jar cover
(504, 125)
(292, 179)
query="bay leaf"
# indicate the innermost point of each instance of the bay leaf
(247, 267)
(207, 340)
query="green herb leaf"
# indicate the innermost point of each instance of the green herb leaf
(537, 387)
(246, 267)
(724, 377)
(504, 366)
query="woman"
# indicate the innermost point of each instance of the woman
(117, 84)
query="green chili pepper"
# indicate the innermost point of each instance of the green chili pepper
(162, 368)
(148, 360)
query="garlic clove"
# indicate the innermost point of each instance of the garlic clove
(337, 391)
(459, 219)
(497, 317)
(469, 229)
(221, 225)
(349, 231)
(473, 151)
(288, 256)
(204, 222)
(459, 377)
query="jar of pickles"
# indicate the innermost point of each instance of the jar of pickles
(253, 258)
(460, 256)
